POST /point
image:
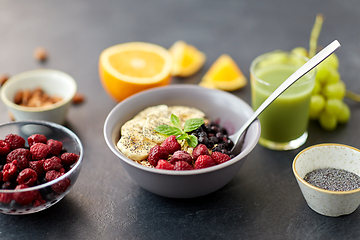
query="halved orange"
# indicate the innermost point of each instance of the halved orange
(187, 59)
(128, 68)
(224, 74)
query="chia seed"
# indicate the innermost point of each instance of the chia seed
(333, 179)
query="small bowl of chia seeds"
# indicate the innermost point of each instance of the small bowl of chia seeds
(329, 178)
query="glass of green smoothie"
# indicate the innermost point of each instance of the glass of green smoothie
(284, 122)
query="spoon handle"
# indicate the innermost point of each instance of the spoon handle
(309, 65)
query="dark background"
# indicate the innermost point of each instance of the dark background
(263, 201)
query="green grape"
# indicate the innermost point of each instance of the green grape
(317, 88)
(344, 114)
(322, 73)
(276, 58)
(333, 106)
(327, 121)
(334, 90)
(332, 61)
(300, 51)
(317, 104)
(334, 76)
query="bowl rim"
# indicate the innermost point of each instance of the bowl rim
(54, 125)
(317, 188)
(127, 160)
(23, 75)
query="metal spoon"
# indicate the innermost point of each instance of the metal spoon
(238, 137)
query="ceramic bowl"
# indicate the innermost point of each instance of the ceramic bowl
(229, 110)
(53, 82)
(48, 193)
(325, 202)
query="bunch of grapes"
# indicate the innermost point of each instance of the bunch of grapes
(327, 105)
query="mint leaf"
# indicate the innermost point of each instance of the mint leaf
(168, 130)
(182, 136)
(192, 141)
(193, 124)
(175, 121)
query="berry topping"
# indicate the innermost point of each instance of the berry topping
(9, 172)
(163, 164)
(55, 146)
(68, 159)
(200, 149)
(171, 144)
(27, 176)
(15, 141)
(204, 161)
(181, 156)
(4, 147)
(182, 165)
(156, 153)
(24, 198)
(53, 163)
(39, 151)
(36, 138)
(22, 157)
(220, 157)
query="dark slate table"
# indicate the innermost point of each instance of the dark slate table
(263, 201)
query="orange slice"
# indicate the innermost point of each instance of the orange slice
(187, 59)
(224, 74)
(128, 68)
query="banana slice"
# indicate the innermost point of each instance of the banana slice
(155, 109)
(152, 121)
(135, 146)
(133, 126)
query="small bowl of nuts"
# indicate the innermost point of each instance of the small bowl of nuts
(37, 169)
(329, 178)
(42, 94)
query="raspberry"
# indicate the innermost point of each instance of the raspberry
(61, 186)
(22, 157)
(182, 165)
(200, 149)
(163, 164)
(27, 176)
(51, 175)
(220, 157)
(6, 197)
(156, 153)
(4, 147)
(36, 138)
(24, 198)
(53, 163)
(39, 202)
(55, 146)
(9, 172)
(181, 155)
(204, 161)
(39, 151)
(37, 166)
(68, 159)
(15, 141)
(171, 144)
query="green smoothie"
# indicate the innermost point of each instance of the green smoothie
(286, 119)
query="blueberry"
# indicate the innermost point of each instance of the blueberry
(214, 129)
(203, 140)
(210, 144)
(214, 140)
(202, 134)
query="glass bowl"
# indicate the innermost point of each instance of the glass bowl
(16, 202)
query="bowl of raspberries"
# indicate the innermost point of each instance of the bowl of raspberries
(174, 140)
(39, 163)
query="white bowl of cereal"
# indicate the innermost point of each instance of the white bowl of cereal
(160, 176)
(43, 94)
